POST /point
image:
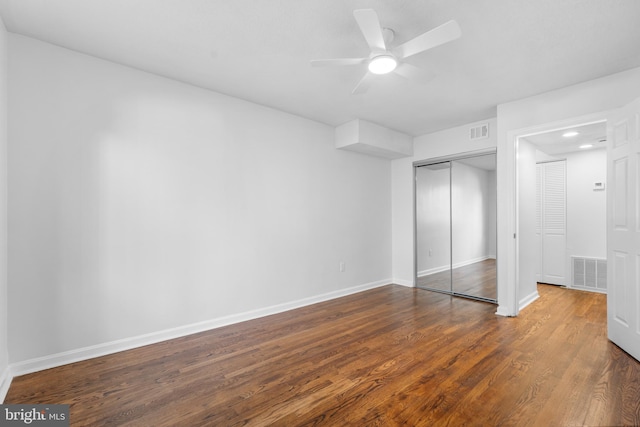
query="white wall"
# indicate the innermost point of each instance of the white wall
(586, 207)
(528, 243)
(438, 144)
(139, 204)
(4, 355)
(540, 113)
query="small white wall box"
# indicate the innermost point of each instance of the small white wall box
(598, 186)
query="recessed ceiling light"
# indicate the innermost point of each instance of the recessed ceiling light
(583, 146)
(382, 64)
(570, 134)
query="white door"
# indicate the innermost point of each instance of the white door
(551, 201)
(623, 229)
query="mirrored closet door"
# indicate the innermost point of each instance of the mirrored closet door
(433, 226)
(456, 226)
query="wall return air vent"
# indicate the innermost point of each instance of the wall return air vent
(589, 274)
(479, 132)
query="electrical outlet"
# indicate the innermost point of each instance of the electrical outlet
(342, 266)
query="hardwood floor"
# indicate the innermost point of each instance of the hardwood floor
(385, 357)
(477, 279)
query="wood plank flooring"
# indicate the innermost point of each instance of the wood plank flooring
(386, 357)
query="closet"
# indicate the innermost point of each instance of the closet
(551, 224)
(455, 223)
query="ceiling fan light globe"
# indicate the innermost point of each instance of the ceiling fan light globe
(382, 64)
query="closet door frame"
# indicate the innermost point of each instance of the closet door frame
(442, 159)
(545, 230)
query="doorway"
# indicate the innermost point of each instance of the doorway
(455, 215)
(551, 221)
(571, 206)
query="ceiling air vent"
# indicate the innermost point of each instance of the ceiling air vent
(479, 132)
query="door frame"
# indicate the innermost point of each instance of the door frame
(513, 296)
(543, 248)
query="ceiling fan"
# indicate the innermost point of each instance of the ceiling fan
(383, 60)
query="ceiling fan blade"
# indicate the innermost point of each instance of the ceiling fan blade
(446, 32)
(370, 26)
(364, 84)
(414, 73)
(337, 61)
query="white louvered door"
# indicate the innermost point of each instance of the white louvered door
(623, 229)
(551, 222)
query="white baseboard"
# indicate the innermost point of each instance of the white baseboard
(85, 353)
(5, 383)
(504, 311)
(529, 299)
(402, 282)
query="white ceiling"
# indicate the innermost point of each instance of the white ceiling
(554, 142)
(260, 50)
